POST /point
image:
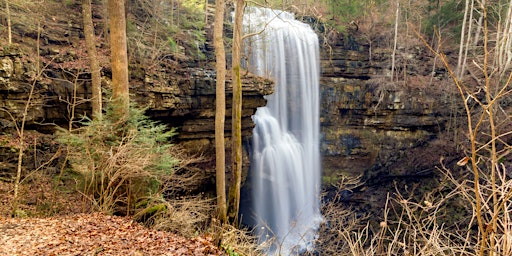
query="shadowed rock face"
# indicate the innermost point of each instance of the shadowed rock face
(182, 97)
(374, 127)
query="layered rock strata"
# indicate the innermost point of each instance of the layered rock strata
(371, 125)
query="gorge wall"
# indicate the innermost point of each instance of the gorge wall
(375, 127)
(182, 97)
(370, 126)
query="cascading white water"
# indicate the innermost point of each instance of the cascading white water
(285, 155)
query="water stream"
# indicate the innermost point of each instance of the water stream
(285, 155)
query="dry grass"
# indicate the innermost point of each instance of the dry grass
(442, 222)
(192, 216)
(43, 196)
(241, 241)
(187, 216)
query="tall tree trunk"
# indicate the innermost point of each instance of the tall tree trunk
(105, 21)
(119, 58)
(220, 109)
(9, 28)
(236, 119)
(462, 40)
(498, 48)
(505, 43)
(485, 68)
(21, 130)
(395, 40)
(469, 33)
(479, 24)
(93, 58)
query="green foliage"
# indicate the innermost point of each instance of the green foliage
(172, 44)
(346, 10)
(496, 12)
(161, 29)
(334, 13)
(120, 162)
(229, 251)
(131, 27)
(447, 18)
(69, 2)
(193, 5)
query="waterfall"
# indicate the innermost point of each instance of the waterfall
(285, 165)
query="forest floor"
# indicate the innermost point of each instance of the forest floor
(94, 234)
(50, 223)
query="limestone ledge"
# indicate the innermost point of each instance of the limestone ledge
(371, 126)
(182, 98)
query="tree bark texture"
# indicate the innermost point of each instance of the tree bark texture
(220, 109)
(119, 58)
(236, 130)
(9, 27)
(93, 59)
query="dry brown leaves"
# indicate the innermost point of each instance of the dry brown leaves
(94, 234)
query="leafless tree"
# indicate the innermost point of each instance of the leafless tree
(236, 131)
(119, 57)
(220, 109)
(90, 43)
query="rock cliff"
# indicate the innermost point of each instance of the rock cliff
(181, 95)
(376, 127)
(183, 98)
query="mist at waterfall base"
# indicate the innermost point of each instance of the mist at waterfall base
(285, 158)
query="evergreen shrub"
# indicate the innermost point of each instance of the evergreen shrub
(120, 162)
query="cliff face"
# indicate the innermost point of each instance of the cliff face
(372, 126)
(183, 98)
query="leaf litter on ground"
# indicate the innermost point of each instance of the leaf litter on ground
(94, 234)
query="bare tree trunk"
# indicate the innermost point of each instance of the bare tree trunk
(509, 34)
(479, 25)
(462, 40)
(119, 58)
(395, 40)
(105, 20)
(9, 27)
(481, 222)
(220, 109)
(93, 58)
(469, 33)
(21, 131)
(505, 43)
(498, 48)
(236, 119)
